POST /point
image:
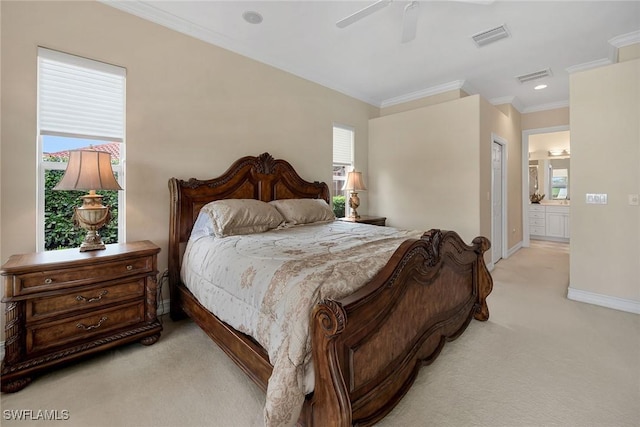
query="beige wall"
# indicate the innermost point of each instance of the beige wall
(425, 167)
(431, 166)
(629, 52)
(605, 158)
(192, 109)
(545, 119)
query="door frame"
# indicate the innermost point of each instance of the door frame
(503, 164)
(526, 241)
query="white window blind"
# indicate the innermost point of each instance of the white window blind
(560, 173)
(80, 97)
(342, 145)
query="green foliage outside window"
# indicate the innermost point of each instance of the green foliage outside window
(59, 230)
(338, 206)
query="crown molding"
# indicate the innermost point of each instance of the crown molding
(513, 100)
(150, 13)
(625, 39)
(434, 90)
(468, 88)
(545, 107)
(589, 65)
(518, 105)
(621, 41)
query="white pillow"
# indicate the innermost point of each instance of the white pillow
(231, 217)
(304, 211)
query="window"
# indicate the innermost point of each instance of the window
(81, 104)
(559, 184)
(343, 137)
(558, 180)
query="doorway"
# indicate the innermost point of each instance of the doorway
(544, 185)
(498, 198)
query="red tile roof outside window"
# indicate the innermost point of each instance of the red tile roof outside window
(112, 148)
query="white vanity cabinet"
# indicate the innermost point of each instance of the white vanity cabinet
(549, 222)
(557, 221)
(537, 220)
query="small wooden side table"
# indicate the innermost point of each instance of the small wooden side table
(63, 305)
(365, 219)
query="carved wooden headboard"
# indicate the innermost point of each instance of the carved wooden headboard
(262, 178)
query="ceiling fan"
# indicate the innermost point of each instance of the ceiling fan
(409, 19)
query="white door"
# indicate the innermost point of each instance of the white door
(496, 206)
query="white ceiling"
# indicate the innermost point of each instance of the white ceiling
(366, 60)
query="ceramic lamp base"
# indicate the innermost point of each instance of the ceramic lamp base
(92, 216)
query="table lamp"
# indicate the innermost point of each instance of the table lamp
(90, 171)
(354, 184)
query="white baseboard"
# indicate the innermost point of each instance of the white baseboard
(491, 265)
(551, 239)
(616, 303)
(514, 249)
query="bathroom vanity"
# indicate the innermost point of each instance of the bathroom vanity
(549, 221)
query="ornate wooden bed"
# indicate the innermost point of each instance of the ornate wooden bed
(368, 347)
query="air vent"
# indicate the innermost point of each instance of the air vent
(534, 76)
(490, 36)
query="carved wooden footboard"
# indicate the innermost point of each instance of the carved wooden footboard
(368, 348)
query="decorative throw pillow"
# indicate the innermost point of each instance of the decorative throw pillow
(304, 211)
(231, 217)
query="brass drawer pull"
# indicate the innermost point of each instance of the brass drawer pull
(129, 267)
(98, 298)
(48, 281)
(96, 326)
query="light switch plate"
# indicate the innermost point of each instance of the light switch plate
(596, 198)
(634, 199)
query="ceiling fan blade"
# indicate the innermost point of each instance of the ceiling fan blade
(410, 21)
(362, 13)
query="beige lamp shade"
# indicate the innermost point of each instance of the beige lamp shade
(354, 182)
(88, 170)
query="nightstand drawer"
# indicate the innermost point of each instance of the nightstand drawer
(84, 327)
(536, 214)
(69, 277)
(93, 298)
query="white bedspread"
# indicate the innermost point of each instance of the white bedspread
(266, 285)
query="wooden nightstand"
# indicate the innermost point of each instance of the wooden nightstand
(365, 219)
(62, 305)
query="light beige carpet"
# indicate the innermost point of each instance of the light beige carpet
(541, 360)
